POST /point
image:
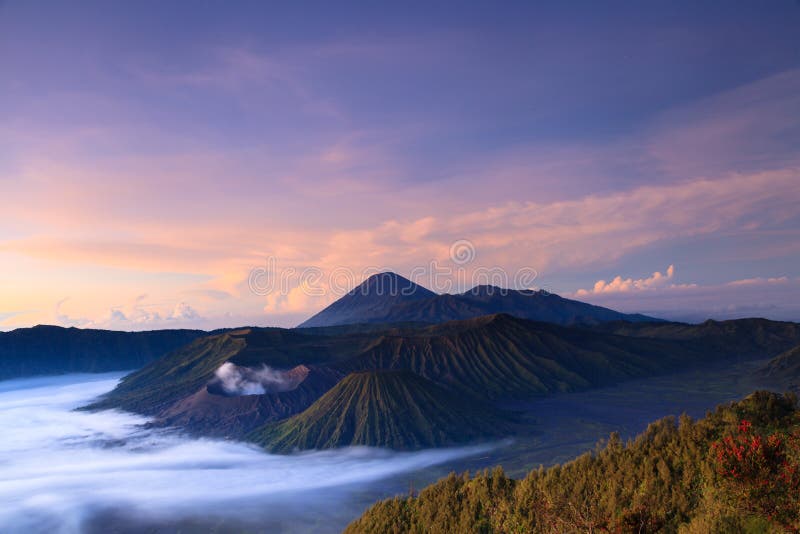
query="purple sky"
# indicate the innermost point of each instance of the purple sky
(153, 154)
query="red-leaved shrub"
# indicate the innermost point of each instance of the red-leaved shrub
(761, 473)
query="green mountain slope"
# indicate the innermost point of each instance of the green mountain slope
(669, 479)
(395, 409)
(179, 374)
(500, 356)
(189, 369)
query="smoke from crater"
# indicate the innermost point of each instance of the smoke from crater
(236, 380)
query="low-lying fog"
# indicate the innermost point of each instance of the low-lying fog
(68, 471)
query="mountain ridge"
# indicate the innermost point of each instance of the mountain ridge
(488, 359)
(369, 303)
(49, 349)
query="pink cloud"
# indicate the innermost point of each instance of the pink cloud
(759, 281)
(620, 285)
(775, 298)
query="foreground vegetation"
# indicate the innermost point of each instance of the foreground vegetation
(736, 470)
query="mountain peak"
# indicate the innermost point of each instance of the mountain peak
(390, 298)
(371, 301)
(390, 284)
(485, 289)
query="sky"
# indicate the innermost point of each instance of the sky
(209, 164)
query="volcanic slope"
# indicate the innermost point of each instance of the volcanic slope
(395, 409)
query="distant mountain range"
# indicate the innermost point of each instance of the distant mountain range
(390, 298)
(54, 350)
(382, 299)
(390, 364)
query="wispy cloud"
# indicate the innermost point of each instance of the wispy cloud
(139, 314)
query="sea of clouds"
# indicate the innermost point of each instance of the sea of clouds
(65, 471)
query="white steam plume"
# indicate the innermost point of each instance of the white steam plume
(236, 380)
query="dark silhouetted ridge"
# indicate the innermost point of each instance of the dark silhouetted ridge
(49, 350)
(390, 298)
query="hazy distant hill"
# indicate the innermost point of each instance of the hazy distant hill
(46, 350)
(396, 409)
(786, 364)
(740, 338)
(390, 298)
(785, 368)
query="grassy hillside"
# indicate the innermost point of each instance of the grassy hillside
(395, 409)
(47, 350)
(500, 356)
(179, 374)
(737, 470)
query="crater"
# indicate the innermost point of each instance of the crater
(232, 380)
